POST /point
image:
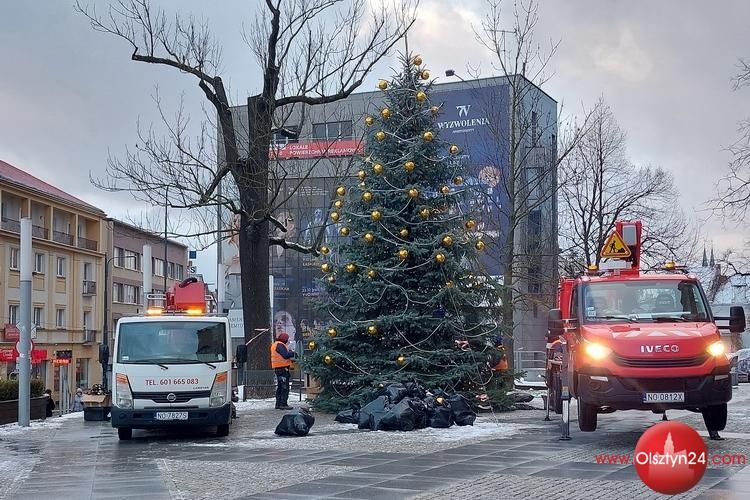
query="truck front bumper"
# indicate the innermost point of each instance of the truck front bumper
(146, 419)
(623, 393)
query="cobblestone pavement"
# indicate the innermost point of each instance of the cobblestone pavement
(509, 455)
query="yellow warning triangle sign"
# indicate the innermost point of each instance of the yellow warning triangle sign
(614, 247)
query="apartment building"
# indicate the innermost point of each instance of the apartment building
(67, 241)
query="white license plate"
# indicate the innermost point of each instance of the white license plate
(664, 397)
(171, 415)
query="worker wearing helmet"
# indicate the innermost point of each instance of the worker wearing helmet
(281, 360)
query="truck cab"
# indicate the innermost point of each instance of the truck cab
(172, 366)
(628, 340)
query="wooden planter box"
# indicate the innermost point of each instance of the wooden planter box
(9, 410)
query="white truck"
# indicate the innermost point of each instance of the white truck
(172, 366)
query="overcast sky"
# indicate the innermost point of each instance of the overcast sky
(69, 95)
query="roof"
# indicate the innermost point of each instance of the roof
(24, 180)
(144, 232)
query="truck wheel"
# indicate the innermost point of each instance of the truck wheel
(222, 430)
(586, 416)
(715, 417)
(125, 433)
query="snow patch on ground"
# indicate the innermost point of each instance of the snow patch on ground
(255, 404)
(49, 423)
(13, 473)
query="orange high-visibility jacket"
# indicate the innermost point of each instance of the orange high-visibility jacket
(277, 360)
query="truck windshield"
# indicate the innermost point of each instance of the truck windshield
(171, 342)
(643, 301)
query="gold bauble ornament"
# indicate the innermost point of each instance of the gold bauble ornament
(327, 359)
(409, 166)
(401, 361)
(335, 216)
(447, 240)
(332, 332)
(382, 84)
(371, 274)
(369, 121)
(344, 231)
(413, 193)
(403, 254)
(324, 250)
(440, 400)
(378, 168)
(449, 284)
(440, 257)
(367, 196)
(326, 268)
(376, 215)
(453, 149)
(479, 245)
(424, 213)
(404, 233)
(385, 113)
(332, 278)
(341, 190)
(458, 180)
(470, 224)
(380, 135)
(338, 204)
(417, 61)
(312, 345)
(362, 175)
(372, 330)
(351, 268)
(421, 96)
(435, 110)
(369, 237)
(445, 189)
(424, 75)
(427, 136)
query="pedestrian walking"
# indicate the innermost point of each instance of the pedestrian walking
(50, 402)
(78, 401)
(281, 361)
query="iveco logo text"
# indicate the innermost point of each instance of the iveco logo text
(660, 348)
(463, 110)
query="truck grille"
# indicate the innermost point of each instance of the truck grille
(180, 397)
(661, 363)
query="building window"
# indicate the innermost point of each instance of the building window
(534, 128)
(119, 257)
(333, 130)
(171, 271)
(132, 294)
(534, 232)
(117, 292)
(13, 314)
(59, 318)
(158, 266)
(61, 267)
(288, 135)
(180, 272)
(86, 320)
(87, 274)
(131, 260)
(38, 315)
(82, 373)
(13, 264)
(533, 185)
(39, 263)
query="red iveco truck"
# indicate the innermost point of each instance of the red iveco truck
(632, 340)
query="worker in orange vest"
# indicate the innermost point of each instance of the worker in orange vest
(281, 360)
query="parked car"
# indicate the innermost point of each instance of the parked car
(743, 365)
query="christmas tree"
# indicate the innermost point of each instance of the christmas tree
(405, 295)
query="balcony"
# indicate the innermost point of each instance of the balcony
(87, 244)
(40, 232)
(89, 336)
(89, 288)
(11, 225)
(64, 238)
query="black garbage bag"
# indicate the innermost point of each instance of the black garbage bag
(296, 423)
(440, 415)
(399, 418)
(414, 390)
(462, 412)
(372, 412)
(396, 392)
(350, 416)
(420, 412)
(520, 397)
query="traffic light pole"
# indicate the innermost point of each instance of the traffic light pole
(24, 344)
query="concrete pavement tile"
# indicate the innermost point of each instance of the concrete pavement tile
(570, 473)
(372, 492)
(313, 489)
(719, 494)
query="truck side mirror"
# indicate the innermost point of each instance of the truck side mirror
(554, 324)
(241, 353)
(103, 354)
(736, 319)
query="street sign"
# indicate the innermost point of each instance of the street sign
(614, 247)
(18, 346)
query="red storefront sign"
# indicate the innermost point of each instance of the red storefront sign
(316, 149)
(11, 332)
(9, 355)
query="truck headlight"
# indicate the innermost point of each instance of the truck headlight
(124, 395)
(219, 390)
(717, 348)
(596, 351)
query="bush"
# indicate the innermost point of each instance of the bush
(9, 389)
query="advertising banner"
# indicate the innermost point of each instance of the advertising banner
(316, 149)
